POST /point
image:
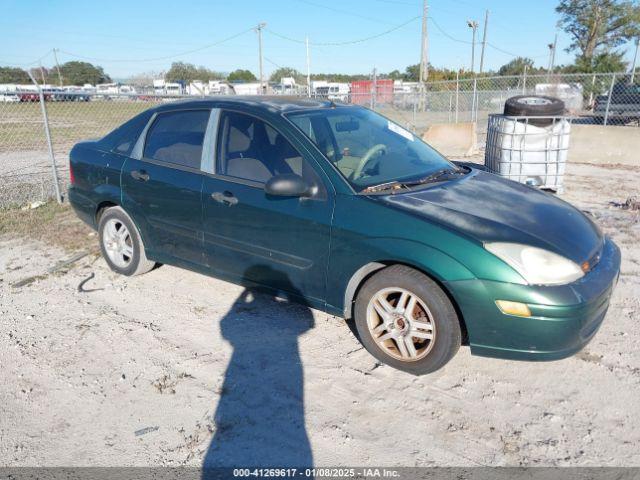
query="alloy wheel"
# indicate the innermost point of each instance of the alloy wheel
(401, 324)
(118, 242)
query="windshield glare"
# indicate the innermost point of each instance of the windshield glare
(367, 148)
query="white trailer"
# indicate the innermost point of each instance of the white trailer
(160, 87)
(247, 88)
(220, 87)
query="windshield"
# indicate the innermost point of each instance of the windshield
(367, 148)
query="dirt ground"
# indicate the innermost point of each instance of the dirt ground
(175, 368)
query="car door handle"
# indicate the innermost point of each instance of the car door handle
(226, 198)
(140, 175)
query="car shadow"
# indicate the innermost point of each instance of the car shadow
(259, 419)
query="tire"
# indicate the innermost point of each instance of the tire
(127, 257)
(534, 106)
(430, 353)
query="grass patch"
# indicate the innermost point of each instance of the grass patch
(21, 125)
(51, 223)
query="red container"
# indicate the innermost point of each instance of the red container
(362, 91)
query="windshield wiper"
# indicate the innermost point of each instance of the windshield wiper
(433, 177)
(384, 186)
(437, 175)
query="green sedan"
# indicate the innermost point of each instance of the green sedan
(341, 209)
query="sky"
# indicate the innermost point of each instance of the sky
(133, 37)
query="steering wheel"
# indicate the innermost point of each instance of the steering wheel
(376, 149)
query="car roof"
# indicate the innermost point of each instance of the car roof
(273, 103)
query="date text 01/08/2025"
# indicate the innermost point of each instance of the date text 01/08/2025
(317, 472)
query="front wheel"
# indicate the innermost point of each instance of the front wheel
(405, 320)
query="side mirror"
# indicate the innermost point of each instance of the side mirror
(288, 185)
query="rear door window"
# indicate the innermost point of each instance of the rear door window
(176, 138)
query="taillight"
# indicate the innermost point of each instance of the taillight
(72, 178)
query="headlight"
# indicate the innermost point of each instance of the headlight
(537, 266)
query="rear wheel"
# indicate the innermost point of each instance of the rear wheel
(120, 243)
(405, 320)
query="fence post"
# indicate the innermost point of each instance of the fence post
(606, 112)
(47, 133)
(474, 105)
(374, 89)
(457, 92)
(524, 81)
(415, 106)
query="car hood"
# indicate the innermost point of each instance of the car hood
(492, 209)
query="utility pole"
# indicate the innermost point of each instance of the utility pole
(635, 60)
(424, 49)
(552, 56)
(42, 74)
(484, 39)
(55, 56)
(473, 25)
(308, 68)
(259, 31)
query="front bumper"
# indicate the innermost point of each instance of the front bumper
(564, 318)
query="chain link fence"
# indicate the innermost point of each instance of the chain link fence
(599, 99)
(27, 166)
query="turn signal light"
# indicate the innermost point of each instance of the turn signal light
(513, 308)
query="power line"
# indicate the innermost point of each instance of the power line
(28, 64)
(444, 32)
(514, 55)
(166, 57)
(349, 42)
(397, 2)
(273, 63)
(344, 12)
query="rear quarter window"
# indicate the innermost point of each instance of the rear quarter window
(176, 137)
(123, 139)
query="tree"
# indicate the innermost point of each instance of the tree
(144, 79)
(181, 72)
(42, 75)
(604, 62)
(79, 73)
(412, 73)
(241, 76)
(598, 24)
(516, 67)
(284, 72)
(13, 75)
(187, 72)
(204, 74)
(338, 77)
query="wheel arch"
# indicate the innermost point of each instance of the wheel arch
(105, 204)
(101, 207)
(366, 271)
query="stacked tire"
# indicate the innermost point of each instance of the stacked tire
(535, 106)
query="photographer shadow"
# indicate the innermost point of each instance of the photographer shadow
(259, 420)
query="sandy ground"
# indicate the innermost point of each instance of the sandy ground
(175, 368)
